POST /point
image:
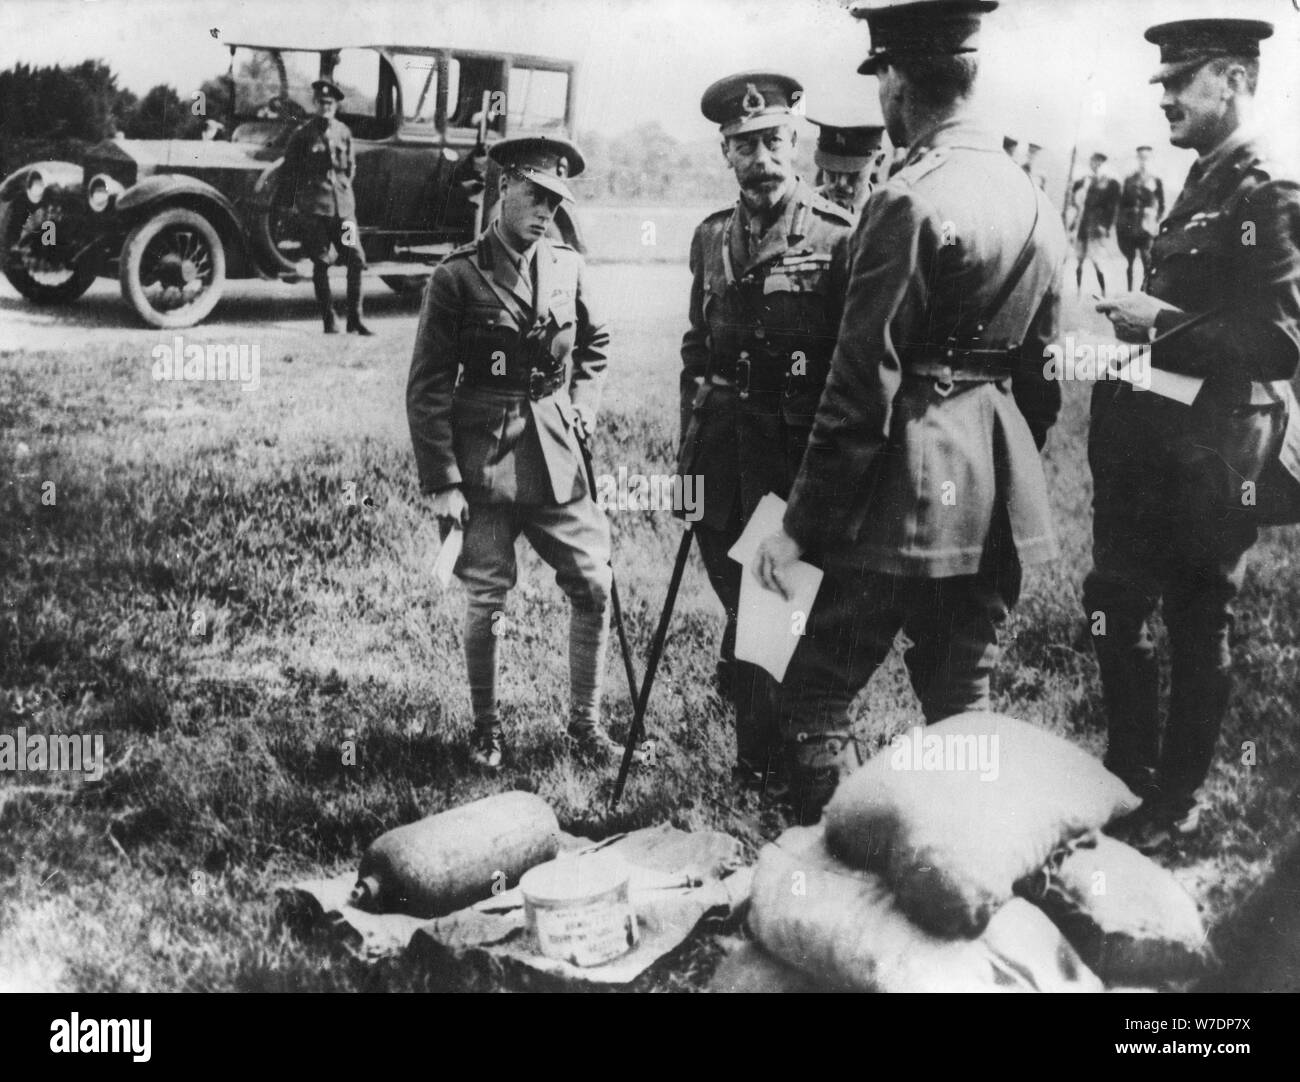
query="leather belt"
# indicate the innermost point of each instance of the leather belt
(748, 377)
(534, 383)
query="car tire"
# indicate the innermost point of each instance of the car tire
(162, 258)
(78, 278)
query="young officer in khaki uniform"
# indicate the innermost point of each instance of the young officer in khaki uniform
(497, 445)
(921, 492)
(766, 294)
(316, 177)
(1174, 506)
(844, 158)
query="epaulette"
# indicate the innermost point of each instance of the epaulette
(831, 209)
(926, 163)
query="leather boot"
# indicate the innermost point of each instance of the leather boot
(818, 762)
(355, 326)
(320, 279)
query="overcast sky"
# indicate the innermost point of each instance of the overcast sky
(1051, 68)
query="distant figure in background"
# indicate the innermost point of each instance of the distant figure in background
(317, 178)
(1141, 206)
(845, 158)
(212, 129)
(1010, 144)
(1033, 168)
(1095, 199)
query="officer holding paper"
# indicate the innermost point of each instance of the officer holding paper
(1180, 490)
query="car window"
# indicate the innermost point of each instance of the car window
(468, 79)
(357, 73)
(418, 76)
(274, 85)
(538, 98)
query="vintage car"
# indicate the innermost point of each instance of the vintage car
(174, 219)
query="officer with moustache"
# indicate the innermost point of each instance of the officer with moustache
(1177, 498)
(507, 370)
(767, 289)
(921, 493)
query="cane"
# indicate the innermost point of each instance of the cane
(652, 666)
(623, 645)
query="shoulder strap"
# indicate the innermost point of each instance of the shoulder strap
(994, 308)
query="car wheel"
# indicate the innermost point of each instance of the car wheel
(404, 283)
(33, 268)
(173, 268)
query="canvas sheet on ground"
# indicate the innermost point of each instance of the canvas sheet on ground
(661, 857)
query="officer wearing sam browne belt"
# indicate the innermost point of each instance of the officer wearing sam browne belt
(921, 491)
(767, 288)
(498, 446)
(1179, 490)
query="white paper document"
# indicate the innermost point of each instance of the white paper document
(448, 555)
(768, 626)
(1167, 384)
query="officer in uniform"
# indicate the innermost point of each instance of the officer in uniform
(921, 493)
(1096, 206)
(316, 178)
(845, 157)
(767, 289)
(506, 376)
(1174, 484)
(1141, 206)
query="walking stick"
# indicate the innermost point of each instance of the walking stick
(652, 666)
(623, 644)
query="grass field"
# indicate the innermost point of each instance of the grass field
(321, 624)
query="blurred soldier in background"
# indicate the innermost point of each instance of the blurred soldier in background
(1141, 206)
(498, 447)
(767, 290)
(1095, 205)
(921, 492)
(316, 178)
(1033, 167)
(845, 158)
(1174, 505)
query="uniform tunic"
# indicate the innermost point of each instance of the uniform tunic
(922, 499)
(764, 308)
(1169, 519)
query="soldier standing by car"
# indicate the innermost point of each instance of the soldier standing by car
(766, 294)
(921, 491)
(316, 178)
(498, 447)
(1173, 483)
(1141, 206)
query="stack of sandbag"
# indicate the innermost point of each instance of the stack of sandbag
(907, 884)
(1129, 919)
(843, 928)
(954, 814)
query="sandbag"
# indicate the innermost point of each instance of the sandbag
(843, 928)
(749, 968)
(1129, 919)
(953, 814)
